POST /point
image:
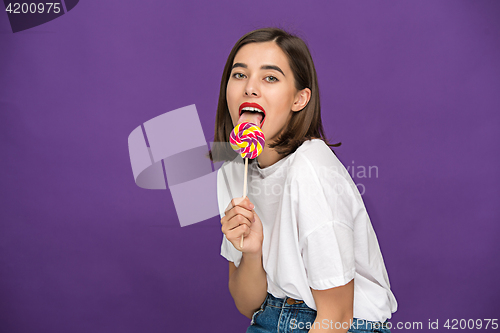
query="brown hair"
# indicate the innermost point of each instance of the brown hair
(303, 125)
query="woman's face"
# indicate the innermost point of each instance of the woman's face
(262, 76)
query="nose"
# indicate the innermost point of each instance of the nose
(251, 88)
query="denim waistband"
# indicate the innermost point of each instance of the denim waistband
(285, 302)
(289, 302)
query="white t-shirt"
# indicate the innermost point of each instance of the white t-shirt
(317, 233)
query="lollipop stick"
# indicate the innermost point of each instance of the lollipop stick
(245, 179)
(244, 192)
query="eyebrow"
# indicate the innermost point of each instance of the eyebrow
(273, 67)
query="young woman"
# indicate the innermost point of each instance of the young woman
(310, 260)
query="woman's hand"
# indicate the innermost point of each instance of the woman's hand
(241, 219)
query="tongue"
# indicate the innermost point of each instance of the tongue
(251, 117)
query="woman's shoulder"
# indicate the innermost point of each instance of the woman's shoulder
(318, 156)
(315, 163)
(314, 146)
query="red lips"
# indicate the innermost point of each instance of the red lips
(253, 105)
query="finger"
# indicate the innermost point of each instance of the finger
(233, 223)
(236, 223)
(242, 202)
(235, 234)
(238, 220)
(247, 232)
(229, 207)
(234, 202)
(247, 214)
(246, 203)
(237, 202)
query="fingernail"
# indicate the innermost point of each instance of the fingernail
(252, 206)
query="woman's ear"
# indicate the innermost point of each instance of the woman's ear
(301, 99)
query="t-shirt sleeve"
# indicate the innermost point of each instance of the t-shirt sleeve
(227, 250)
(328, 255)
(326, 205)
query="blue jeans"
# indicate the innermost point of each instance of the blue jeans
(290, 315)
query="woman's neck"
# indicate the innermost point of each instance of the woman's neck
(268, 157)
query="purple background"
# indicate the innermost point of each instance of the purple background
(408, 86)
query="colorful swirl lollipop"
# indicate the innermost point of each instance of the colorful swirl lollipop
(247, 139)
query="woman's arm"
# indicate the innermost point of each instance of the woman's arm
(334, 305)
(248, 284)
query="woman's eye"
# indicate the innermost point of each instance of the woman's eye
(271, 78)
(238, 75)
